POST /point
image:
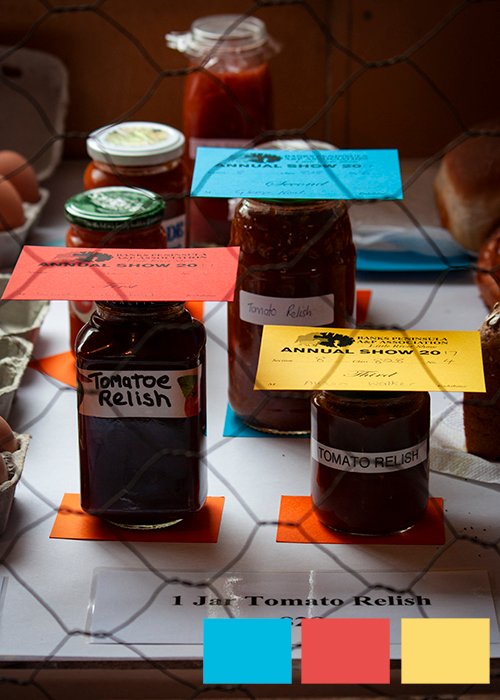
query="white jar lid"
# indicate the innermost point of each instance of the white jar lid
(135, 143)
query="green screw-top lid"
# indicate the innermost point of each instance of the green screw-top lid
(112, 208)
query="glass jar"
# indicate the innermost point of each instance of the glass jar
(111, 217)
(369, 453)
(146, 155)
(227, 101)
(296, 267)
(142, 413)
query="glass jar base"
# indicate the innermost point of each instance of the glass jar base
(154, 526)
(389, 533)
(277, 431)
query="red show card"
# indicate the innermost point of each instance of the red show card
(72, 523)
(299, 523)
(124, 274)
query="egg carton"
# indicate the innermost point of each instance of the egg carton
(12, 241)
(14, 462)
(15, 353)
(29, 126)
(19, 317)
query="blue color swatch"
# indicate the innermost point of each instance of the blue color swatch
(240, 651)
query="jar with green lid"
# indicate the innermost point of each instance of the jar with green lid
(111, 217)
(296, 268)
(147, 155)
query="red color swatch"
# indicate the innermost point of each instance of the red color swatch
(346, 651)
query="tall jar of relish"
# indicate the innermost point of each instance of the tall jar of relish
(369, 454)
(146, 155)
(227, 101)
(296, 268)
(111, 217)
(142, 413)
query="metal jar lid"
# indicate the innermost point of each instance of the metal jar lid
(136, 144)
(112, 208)
(221, 33)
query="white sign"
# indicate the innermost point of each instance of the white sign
(139, 607)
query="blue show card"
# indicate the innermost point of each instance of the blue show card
(234, 427)
(274, 174)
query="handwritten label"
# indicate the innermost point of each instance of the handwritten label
(294, 358)
(260, 310)
(124, 274)
(139, 393)
(275, 174)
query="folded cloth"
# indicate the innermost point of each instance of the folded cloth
(448, 453)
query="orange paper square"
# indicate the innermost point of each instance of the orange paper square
(363, 297)
(61, 367)
(299, 523)
(72, 523)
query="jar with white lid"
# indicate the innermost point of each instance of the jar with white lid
(227, 100)
(147, 155)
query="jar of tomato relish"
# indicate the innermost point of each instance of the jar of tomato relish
(111, 217)
(227, 101)
(369, 454)
(147, 155)
(297, 268)
(142, 413)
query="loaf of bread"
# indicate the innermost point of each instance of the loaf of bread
(488, 272)
(467, 188)
(482, 411)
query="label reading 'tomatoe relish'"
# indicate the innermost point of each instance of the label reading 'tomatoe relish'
(139, 393)
(369, 462)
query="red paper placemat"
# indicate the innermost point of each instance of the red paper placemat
(298, 509)
(72, 523)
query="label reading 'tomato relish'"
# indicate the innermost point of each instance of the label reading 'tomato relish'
(369, 462)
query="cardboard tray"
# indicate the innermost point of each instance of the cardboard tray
(21, 318)
(15, 464)
(34, 99)
(15, 353)
(11, 242)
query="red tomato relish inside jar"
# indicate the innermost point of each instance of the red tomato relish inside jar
(227, 101)
(296, 267)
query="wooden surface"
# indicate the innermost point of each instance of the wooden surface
(440, 71)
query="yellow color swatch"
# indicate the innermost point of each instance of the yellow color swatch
(445, 650)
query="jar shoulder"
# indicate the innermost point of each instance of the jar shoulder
(183, 339)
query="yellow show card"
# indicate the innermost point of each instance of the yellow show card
(304, 357)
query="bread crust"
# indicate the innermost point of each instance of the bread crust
(467, 190)
(488, 274)
(482, 411)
